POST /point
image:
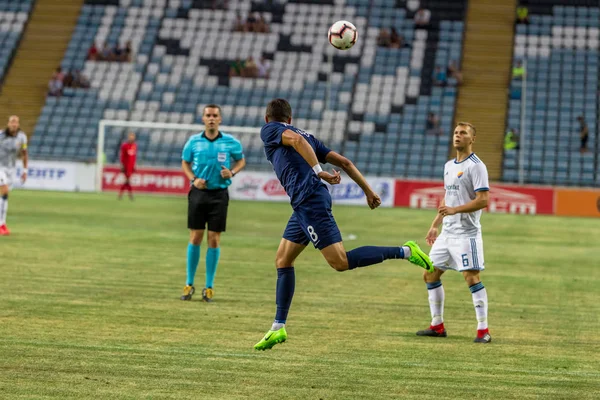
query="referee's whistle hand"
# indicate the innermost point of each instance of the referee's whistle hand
(200, 183)
(226, 172)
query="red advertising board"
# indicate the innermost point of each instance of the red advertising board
(147, 180)
(503, 198)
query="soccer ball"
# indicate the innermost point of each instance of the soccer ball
(342, 35)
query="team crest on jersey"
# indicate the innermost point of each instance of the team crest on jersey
(222, 157)
(460, 174)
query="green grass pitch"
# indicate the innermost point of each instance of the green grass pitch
(89, 308)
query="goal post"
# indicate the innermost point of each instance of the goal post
(161, 135)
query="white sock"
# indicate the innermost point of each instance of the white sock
(277, 326)
(407, 252)
(3, 210)
(436, 302)
(480, 302)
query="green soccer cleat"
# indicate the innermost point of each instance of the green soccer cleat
(271, 339)
(418, 256)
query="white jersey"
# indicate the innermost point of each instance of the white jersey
(10, 148)
(462, 180)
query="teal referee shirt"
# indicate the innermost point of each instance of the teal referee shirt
(207, 156)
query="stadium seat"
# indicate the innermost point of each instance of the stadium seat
(562, 65)
(178, 67)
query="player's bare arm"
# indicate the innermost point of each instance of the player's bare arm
(25, 157)
(434, 231)
(297, 141)
(480, 202)
(237, 167)
(349, 168)
(187, 170)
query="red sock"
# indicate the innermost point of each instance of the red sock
(122, 189)
(482, 332)
(438, 328)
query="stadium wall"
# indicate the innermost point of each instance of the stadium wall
(57, 175)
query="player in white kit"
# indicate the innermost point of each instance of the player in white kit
(459, 247)
(13, 144)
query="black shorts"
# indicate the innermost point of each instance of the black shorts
(584, 141)
(208, 207)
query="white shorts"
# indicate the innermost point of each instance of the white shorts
(6, 177)
(457, 253)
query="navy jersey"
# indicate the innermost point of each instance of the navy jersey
(296, 176)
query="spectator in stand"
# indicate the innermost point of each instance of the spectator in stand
(432, 126)
(58, 74)
(55, 87)
(240, 24)
(261, 25)
(117, 52)
(92, 52)
(422, 18)
(251, 68)
(522, 14)
(454, 72)
(384, 39)
(127, 52)
(511, 140)
(106, 54)
(396, 40)
(251, 22)
(80, 80)
(237, 68)
(219, 4)
(583, 134)
(518, 71)
(439, 77)
(264, 67)
(68, 80)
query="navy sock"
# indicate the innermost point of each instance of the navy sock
(286, 283)
(369, 255)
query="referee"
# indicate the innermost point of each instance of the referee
(206, 161)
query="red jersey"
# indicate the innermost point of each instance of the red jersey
(128, 155)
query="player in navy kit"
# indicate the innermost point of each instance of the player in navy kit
(296, 157)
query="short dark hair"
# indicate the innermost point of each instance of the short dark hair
(218, 107)
(279, 110)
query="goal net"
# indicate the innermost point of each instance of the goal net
(160, 146)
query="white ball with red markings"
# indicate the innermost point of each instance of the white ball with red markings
(342, 35)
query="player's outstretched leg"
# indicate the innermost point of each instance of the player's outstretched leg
(418, 256)
(340, 260)
(436, 296)
(286, 285)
